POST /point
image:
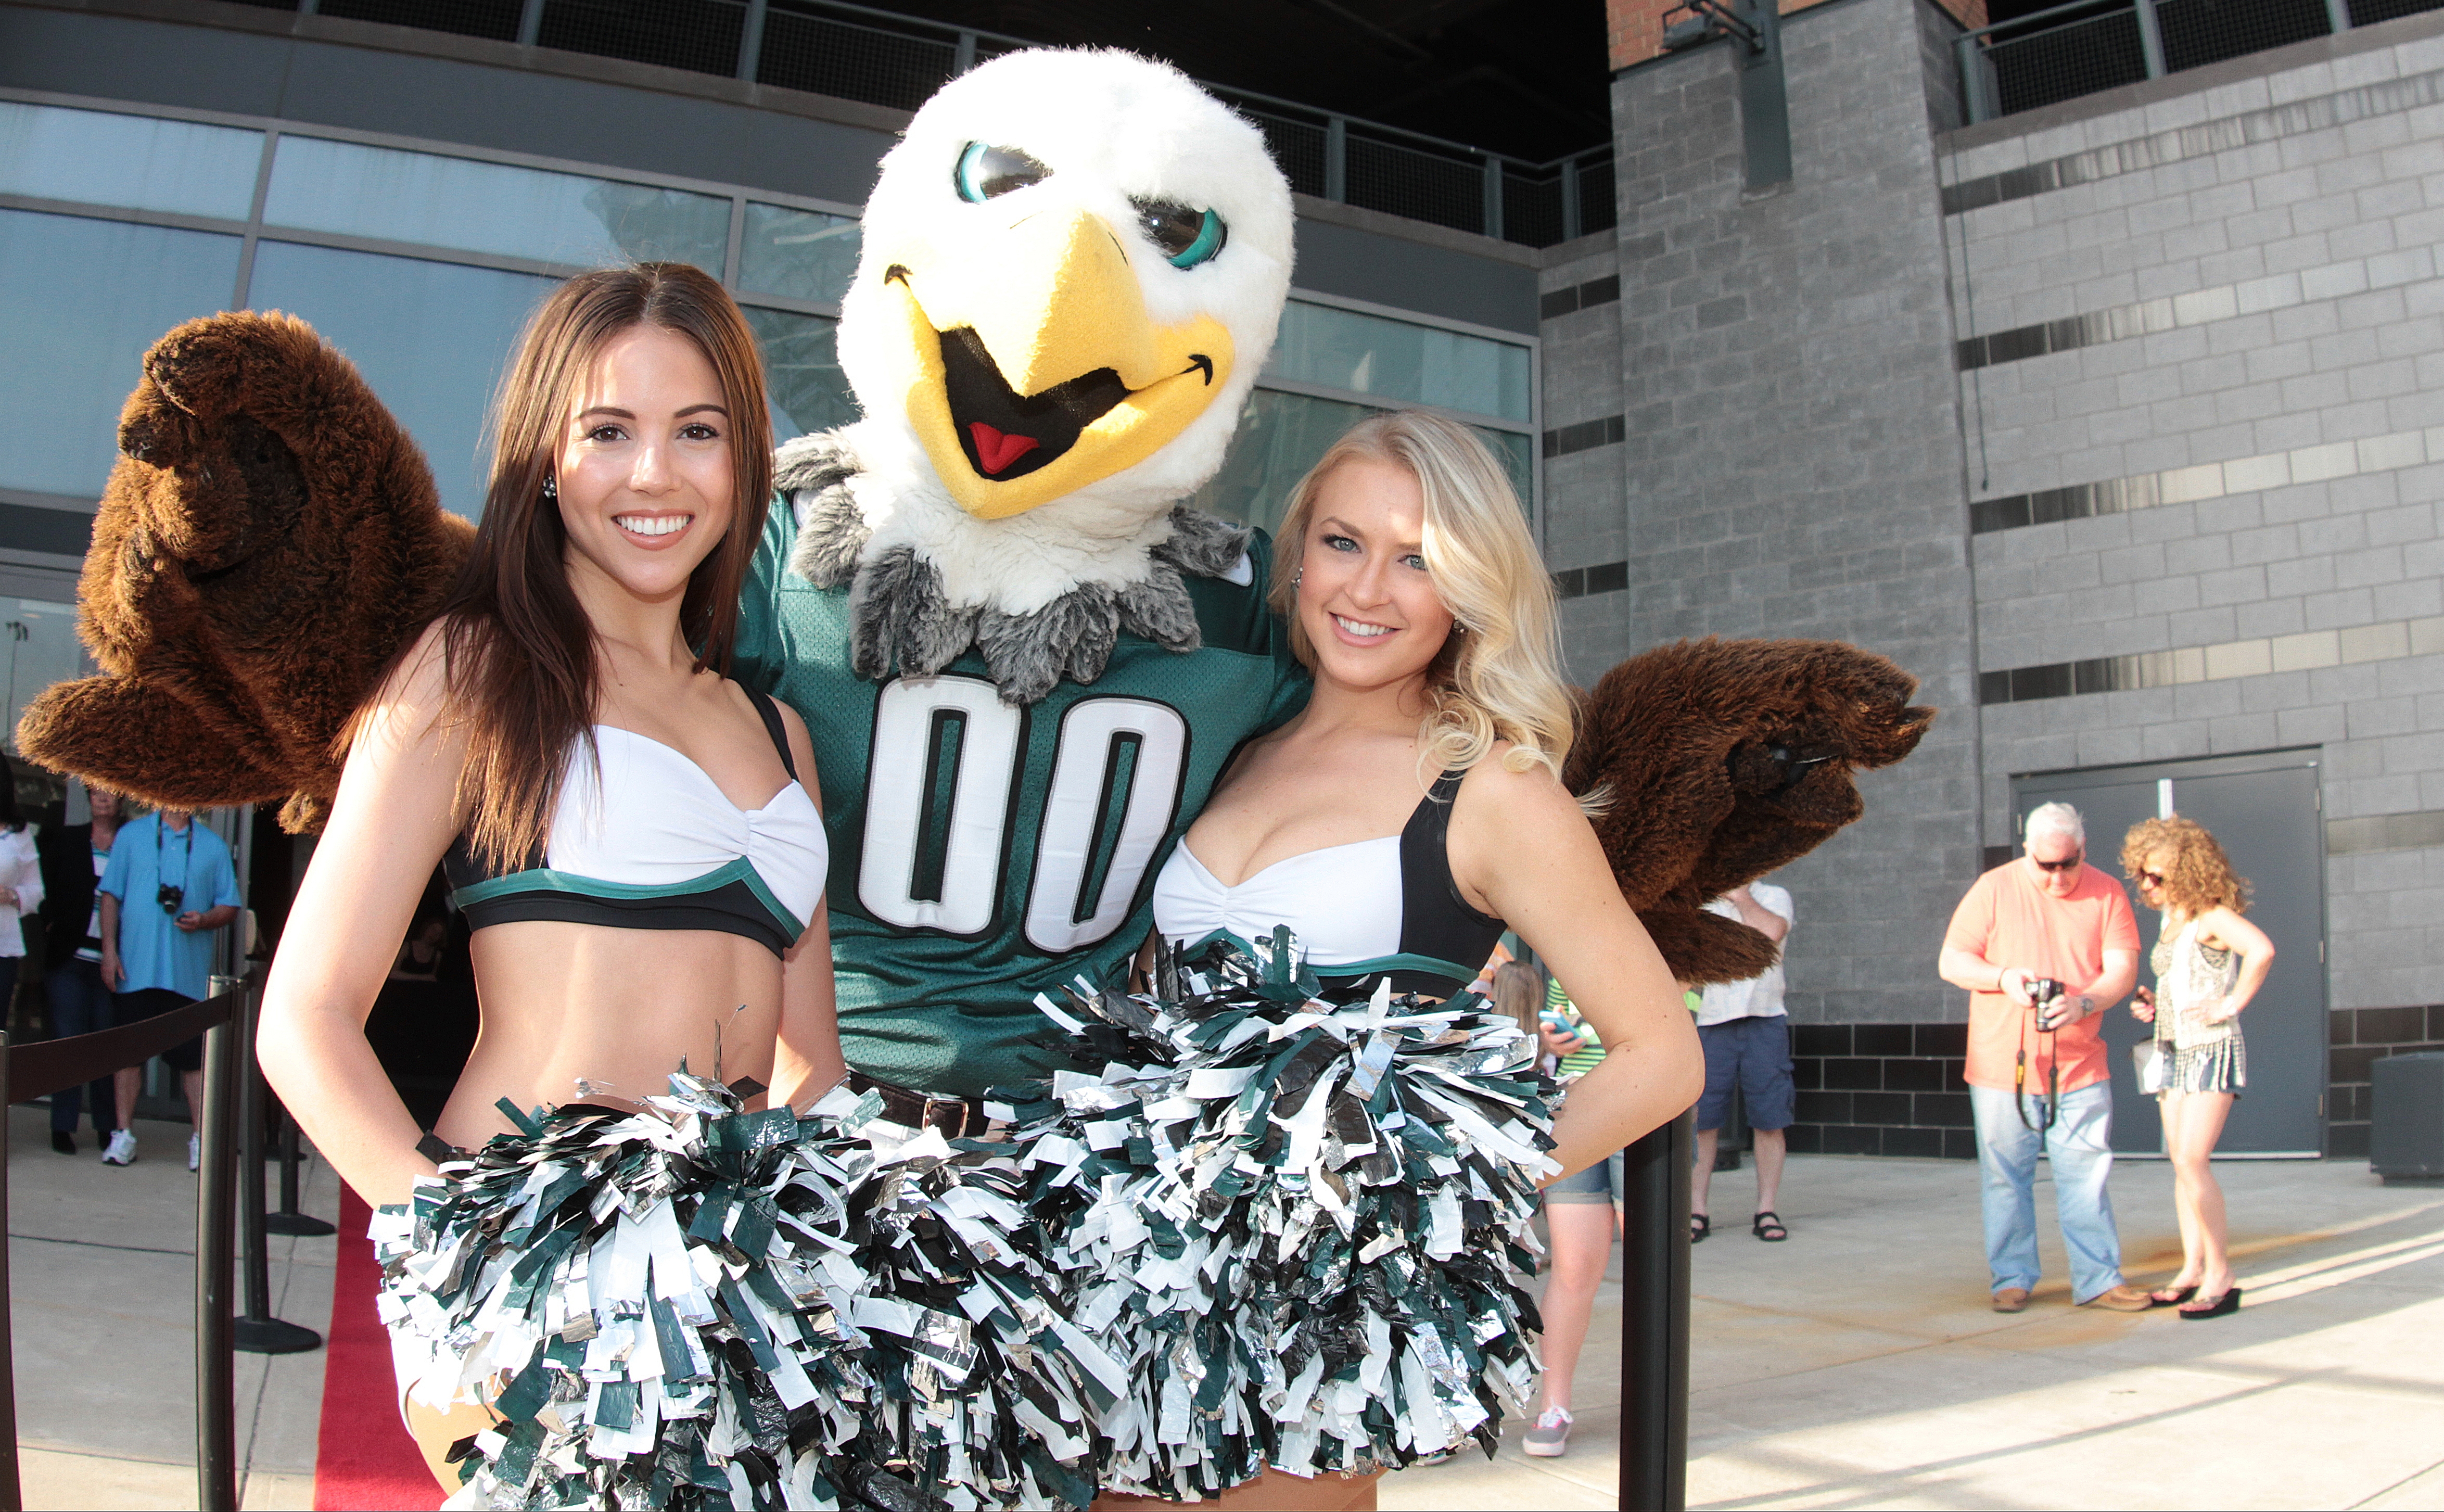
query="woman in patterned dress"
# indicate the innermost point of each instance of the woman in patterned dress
(2209, 964)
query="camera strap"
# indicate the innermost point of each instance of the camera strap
(2049, 1104)
(186, 862)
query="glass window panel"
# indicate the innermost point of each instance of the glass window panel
(431, 338)
(43, 649)
(1280, 436)
(435, 201)
(1422, 364)
(80, 301)
(94, 157)
(797, 253)
(802, 373)
(1517, 454)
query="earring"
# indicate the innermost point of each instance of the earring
(1297, 577)
(551, 489)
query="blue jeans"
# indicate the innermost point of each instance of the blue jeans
(2080, 1145)
(79, 1005)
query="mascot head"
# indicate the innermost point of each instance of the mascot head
(1073, 266)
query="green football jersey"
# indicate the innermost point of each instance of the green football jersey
(982, 854)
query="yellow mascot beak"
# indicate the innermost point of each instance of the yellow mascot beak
(1038, 370)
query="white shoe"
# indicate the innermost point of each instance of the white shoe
(1550, 1435)
(121, 1148)
(194, 1152)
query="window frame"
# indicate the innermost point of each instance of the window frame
(253, 230)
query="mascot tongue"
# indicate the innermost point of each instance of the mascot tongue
(996, 449)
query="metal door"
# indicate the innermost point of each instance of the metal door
(2266, 812)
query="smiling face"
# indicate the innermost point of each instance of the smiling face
(1364, 598)
(1071, 267)
(644, 466)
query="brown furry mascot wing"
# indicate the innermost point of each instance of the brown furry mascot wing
(1723, 760)
(269, 539)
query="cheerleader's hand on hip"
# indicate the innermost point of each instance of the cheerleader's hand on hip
(2142, 1004)
(2223, 1011)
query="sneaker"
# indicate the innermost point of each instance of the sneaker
(194, 1152)
(1550, 1435)
(122, 1149)
(64, 1141)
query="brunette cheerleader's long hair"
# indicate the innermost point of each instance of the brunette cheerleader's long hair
(521, 670)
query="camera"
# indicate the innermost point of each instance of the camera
(170, 898)
(2045, 992)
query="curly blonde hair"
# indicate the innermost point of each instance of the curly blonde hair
(2201, 877)
(1500, 678)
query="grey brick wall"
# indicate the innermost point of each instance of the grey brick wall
(1792, 460)
(2284, 394)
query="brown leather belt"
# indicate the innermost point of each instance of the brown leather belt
(957, 1118)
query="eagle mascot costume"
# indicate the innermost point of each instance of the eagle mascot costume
(1232, 1222)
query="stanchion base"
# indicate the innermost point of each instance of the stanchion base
(269, 1336)
(299, 1225)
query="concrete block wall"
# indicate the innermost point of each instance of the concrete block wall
(1582, 522)
(2239, 322)
(1790, 461)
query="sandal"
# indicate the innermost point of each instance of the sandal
(1699, 1226)
(2223, 1306)
(1768, 1227)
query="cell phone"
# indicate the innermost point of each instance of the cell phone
(1556, 1022)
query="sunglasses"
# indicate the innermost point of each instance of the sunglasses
(2058, 866)
(2148, 879)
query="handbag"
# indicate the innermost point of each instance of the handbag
(2153, 1066)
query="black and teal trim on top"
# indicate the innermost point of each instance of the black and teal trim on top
(731, 899)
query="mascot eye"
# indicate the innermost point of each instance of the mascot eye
(986, 172)
(1186, 236)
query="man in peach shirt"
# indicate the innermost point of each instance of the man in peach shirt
(2047, 917)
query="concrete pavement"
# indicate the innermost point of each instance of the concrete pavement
(102, 1265)
(1856, 1365)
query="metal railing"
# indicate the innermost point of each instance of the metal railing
(230, 1220)
(2089, 45)
(851, 51)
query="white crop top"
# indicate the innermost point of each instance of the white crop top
(653, 844)
(1344, 902)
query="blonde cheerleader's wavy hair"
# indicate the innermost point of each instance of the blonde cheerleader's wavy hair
(1498, 675)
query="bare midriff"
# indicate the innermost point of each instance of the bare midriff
(617, 1009)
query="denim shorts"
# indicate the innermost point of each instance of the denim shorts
(1600, 1182)
(1754, 1053)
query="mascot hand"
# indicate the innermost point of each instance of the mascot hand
(1723, 760)
(270, 537)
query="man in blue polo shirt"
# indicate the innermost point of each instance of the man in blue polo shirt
(169, 886)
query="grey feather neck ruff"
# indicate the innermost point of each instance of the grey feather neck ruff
(901, 618)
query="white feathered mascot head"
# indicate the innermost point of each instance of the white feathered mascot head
(1072, 268)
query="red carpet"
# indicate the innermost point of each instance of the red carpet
(363, 1459)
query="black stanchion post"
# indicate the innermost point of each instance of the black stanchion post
(257, 1331)
(286, 1219)
(12, 1495)
(1654, 1320)
(215, 1215)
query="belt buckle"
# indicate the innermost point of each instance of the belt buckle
(948, 1114)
